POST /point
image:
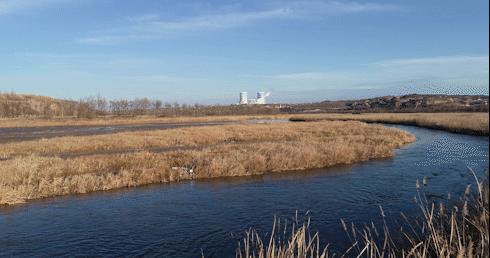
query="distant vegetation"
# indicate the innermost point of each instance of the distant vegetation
(465, 123)
(68, 165)
(407, 103)
(15, 105)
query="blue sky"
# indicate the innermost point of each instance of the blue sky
(209, 51)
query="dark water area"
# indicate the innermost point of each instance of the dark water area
(211, 216)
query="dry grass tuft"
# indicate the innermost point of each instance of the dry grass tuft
(301, 243)
(68, 165)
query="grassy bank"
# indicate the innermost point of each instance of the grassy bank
(465, 123)
(67, 165)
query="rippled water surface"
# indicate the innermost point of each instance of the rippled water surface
(210, 217)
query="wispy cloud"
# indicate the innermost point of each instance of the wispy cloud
(313, 76)
(221, 21)
(308, 8)
(458, 70)
(441, 60)
(102, 40)
(14, 6)
(151, 26)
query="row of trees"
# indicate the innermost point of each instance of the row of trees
(13, 105)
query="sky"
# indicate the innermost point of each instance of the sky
(208, 51)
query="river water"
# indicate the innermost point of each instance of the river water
(209, 217)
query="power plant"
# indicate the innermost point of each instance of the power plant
(260, 100)
(243, 98)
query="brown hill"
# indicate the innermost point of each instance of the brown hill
(406, 103)
(15, 105)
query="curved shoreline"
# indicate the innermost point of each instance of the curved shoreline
(460, 123)
(239, 150)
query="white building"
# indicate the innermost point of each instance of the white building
(260, 100)
(243, 98)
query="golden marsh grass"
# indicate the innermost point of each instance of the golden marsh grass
(467, 123)
(37, 169)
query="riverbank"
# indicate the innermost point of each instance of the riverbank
(228, 206)
(463, 123)
(70, 165)
(447, 229)
(473, 123)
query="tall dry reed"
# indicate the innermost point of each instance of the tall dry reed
(456, 229)
(301, 243)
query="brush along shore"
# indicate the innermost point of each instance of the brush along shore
(475, 123)
(464, 123)
(71, 165)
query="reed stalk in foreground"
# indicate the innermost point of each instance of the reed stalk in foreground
(460, 229)
(301, 243)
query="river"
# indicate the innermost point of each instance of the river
(211, 216)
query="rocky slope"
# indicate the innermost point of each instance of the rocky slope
(406, 103)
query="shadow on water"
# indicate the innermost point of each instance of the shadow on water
(216, 183)
(210, 216)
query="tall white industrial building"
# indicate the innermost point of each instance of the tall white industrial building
(243, 98)
(260, 100)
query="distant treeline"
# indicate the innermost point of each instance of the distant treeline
(15, 105)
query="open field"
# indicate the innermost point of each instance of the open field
(67, 165)
(466, 123)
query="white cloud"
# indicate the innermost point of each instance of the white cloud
(308, 8)
(313, 76)
(101, 40)
(441, 60)
(152, 26)
(221, 21)
(13, 6)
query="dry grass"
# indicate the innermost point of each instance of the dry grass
(460, 229)
(36, 122)
(187, 137)
(27, 172)
(467, 123)
(300, 244)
